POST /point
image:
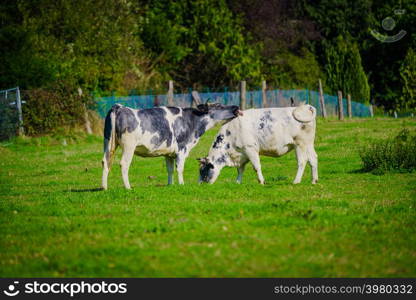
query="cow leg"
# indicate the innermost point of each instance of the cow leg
(107, 163)
(106, 170)
(313, 161)
(126, 158)
(180, 164)
(254, 158)
(240, 170)
(301, 156)
(169, 167)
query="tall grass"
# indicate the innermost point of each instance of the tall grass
(397, 153)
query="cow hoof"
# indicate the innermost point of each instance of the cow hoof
(296, 182)
(314, 181)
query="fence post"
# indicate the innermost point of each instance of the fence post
(395, 114)
(371, 109)
(321, 99)
(263, 93)
(19, 110)
(170, 93)
(156, 101)
(243, 95)
(196, 99)
(340, 107)
(225, 96)
(86, 120)
(349, 106)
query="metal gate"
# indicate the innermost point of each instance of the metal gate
(11, 121)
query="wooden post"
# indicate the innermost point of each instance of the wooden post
(170, 93)
(371, 110)
(156, 101)
(263, 93)
(86, 120)
(19, 110)
(243, 95)
(196, 99)
(340, 107)
(395, 114)
(349, 106)
(321, 99)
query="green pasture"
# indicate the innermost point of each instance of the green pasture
(55, 222)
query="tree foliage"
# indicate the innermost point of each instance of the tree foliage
(408, 76)
(200, 42)
(344, 69)
(118, 46)
(92, 43)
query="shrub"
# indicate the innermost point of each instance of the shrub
(48, 109)
(398, 153)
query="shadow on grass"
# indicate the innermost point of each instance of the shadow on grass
(84, 190)
(358, 171)
(377, 172)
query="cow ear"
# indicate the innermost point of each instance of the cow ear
(202, 160)
(202, 107)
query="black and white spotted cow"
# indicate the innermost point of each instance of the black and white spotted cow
(162, 131)
(270, 132)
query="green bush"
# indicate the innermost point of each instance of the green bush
(398, 153)
(48, 109)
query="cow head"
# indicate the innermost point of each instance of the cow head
(220, 112)
(208, 171)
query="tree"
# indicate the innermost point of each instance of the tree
(199, 42)
(91, 43)
(408, 76)
(344, 69)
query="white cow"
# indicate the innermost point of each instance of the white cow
(268, 131)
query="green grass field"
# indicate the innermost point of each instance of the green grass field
(351, 224)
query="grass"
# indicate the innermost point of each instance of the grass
(351, 224)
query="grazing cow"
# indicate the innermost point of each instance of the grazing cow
(162, 131)
(271, 132)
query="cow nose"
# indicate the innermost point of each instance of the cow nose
(237, 111)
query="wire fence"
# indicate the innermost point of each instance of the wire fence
(10, 113)
(254, 99)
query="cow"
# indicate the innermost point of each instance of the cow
(160, 131)
(267, 131)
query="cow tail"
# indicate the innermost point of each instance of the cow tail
(304, 113)
(110, 142)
